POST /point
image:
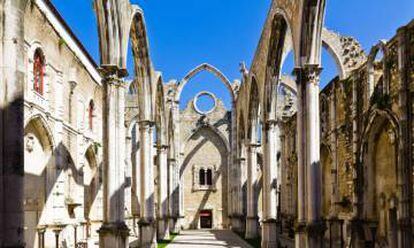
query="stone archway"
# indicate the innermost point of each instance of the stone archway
(92, 181)
(380, 169)
(205, 142)
(209, 68)
(38, 159)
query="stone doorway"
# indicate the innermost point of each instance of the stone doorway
(206, 219)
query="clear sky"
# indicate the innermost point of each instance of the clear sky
(185, 33)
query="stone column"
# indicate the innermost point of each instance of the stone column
(163, 228)
(147, 221)
(315, 227)
(172, 213)
(12, 123)
(300, 237)
(113, 232)
(232, 165)
(41, 236)
(57, 230)
(271, 149)
(237, 216)
(252, 224)
(175, 177)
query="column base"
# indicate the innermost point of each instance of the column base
(269, 233)
(174, 225)
(147, 234)
(237, 224)
(300, 235)
(252, 227)
(163, 232)
(113, 235)
(315, 232)
(335, 232)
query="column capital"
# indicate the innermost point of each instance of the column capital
(146, 123)
(309, 73)
(109, 70)
(162, 148)
(112, 75)
(312, 73)
(41, 229)
(271, 123)
(253, 145)
(241, 159)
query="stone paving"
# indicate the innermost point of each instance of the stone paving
(208, 238)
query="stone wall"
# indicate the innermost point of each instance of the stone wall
(205, 143)
(63, 177)
(366, 131)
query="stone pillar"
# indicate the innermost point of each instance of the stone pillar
(41, 236)
(163, 228)
(232, 165)
(178, 199)
(12, 123)
(57, 230)
(271, 149)
(113, 232)
(300, 237)
(252, 224)
(237, 221)
(147, 221)
(315, 227)
(310, 229)
(172, 181)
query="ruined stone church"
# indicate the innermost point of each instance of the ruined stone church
(91, 159)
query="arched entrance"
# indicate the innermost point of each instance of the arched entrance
(380, 149)
(92, 183)
(205, 197)
(38, 158)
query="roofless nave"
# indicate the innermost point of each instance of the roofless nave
(90, 160)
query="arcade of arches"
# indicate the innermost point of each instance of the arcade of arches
(91, 159)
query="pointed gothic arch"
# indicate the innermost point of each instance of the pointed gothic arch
(254, 115)
(381, 84)
(160, 114)
(118, 23)
(379, 176)
(280, 33)
(209, 68)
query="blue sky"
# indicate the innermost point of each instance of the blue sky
(186, 33)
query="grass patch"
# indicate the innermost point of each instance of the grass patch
(165, 242)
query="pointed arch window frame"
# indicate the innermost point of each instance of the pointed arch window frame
(39, 67)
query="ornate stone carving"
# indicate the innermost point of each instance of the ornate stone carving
(311, 74)
(30, 142)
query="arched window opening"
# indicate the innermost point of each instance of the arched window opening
(377, 86)
(330, 70)
(209, 177)
(205, 81)
(38, 71)
(91, 114)
(288, 65)
(202, 177)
